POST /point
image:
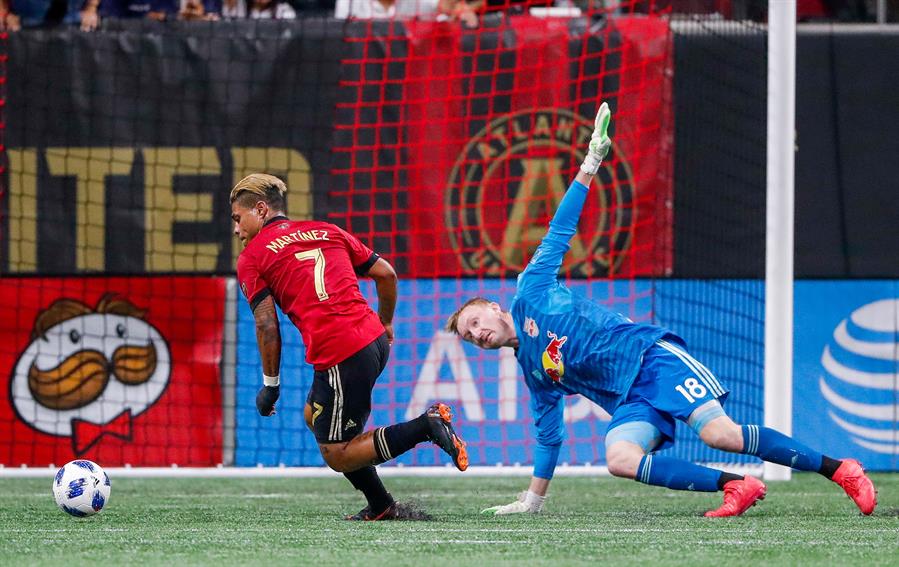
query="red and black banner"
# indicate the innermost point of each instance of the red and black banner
(484, 130)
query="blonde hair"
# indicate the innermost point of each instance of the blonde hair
(257, 187)
(453, 321)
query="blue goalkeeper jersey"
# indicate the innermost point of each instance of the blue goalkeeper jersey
(567, 344)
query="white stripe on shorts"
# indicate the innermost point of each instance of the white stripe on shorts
(336, 433)
(333, 404)
(703, 373)
(716, 385)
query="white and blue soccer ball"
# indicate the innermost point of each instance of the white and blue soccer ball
(81, 488)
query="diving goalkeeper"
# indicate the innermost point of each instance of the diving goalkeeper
(641, 374)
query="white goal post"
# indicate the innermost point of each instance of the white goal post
(779, 226)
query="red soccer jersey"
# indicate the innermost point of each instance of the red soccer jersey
(310, 269)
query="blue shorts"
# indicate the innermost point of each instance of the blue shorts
(671, 385)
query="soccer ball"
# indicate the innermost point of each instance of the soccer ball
(81, 488)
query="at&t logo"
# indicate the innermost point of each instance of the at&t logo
(860, 376)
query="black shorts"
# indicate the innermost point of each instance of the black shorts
(341, 395)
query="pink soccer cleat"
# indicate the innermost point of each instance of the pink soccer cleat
(852, 478)
(739, 496)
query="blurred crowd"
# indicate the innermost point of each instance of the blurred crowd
(87, 14)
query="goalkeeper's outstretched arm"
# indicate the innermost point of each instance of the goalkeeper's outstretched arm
(543, 269)
(532, 499)
(564, 222)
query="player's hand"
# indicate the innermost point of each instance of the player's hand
(266, 398)
(528, 503)
(388, 327)
(599, 141)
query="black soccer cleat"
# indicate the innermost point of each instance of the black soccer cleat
(366, 515)
(396, 511)
(440, 418)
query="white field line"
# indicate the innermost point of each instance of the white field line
(324, 472)
(778, 532)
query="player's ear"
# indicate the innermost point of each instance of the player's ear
(261, 208)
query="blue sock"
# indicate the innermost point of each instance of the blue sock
(677, 474)
(775, 447)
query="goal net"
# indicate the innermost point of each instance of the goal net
(445, 148)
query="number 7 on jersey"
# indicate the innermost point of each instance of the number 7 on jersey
(318, 271)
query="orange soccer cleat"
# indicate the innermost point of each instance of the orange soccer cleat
(852, 478)
(739, 496)
(440, 419)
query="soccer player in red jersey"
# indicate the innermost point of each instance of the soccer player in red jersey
(310, 269)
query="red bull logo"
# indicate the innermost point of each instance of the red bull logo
(552, 357)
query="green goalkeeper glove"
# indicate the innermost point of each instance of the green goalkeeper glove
(528, 502)
(599, 141)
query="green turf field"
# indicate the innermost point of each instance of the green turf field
(588, 521)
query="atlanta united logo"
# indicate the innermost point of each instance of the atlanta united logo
(508, 181)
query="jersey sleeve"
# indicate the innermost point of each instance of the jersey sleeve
(252, 285)
(543, 269)
(361, 256)
(547, 408)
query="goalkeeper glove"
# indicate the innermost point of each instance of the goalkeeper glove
(266, 398)
(599, 141)
(528, 502)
